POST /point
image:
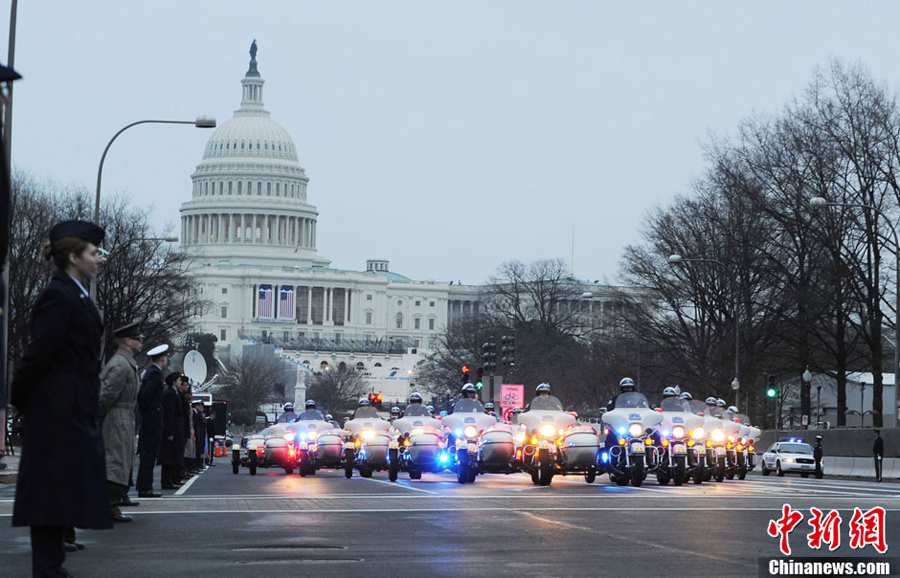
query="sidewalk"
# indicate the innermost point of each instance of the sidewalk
(9, 475)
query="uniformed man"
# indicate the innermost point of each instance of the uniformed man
(172, 434)
(119, 383)
(288, 415)
(817, 455)
(878, 451)
(150, 405)
(625, 386)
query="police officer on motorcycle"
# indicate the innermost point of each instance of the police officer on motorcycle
(711, 406)
(288, 416)
(489, 409)
(416, 397)
(469, 391)
(395, 413)
(625, 386)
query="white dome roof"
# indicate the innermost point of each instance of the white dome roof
(250, 134)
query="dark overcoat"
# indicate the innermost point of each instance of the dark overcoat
(150, 405)
(173, 425)
(62, 472)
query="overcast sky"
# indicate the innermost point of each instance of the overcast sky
(447, 137)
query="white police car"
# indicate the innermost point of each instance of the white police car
(792, 456)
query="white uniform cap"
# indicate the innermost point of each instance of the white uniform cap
(158, 350)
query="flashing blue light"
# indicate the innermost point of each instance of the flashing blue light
(665, 433)
(604, 457)
(621, 431)
(443, 458)
(458, 432)
(302, 436)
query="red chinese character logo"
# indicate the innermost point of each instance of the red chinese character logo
(827, 529)
(868, 528)
(784, 526)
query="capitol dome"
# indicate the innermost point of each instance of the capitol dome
(248, 201)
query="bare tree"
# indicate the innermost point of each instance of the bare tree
(337, 390)
(251, 380)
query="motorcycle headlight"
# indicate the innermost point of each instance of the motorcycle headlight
(236, 447)
(717, 435)
(635, 430)
(520, 438)
(367, 434)
(313, 434)
(547, 430)
(471, 431)
(678, 432)
(415, 432)
(698, 434)
(289, 436)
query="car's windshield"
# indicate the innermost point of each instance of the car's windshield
(632, 399)
(795, 449)
(546, 403)
(416, 409)
(311, 414)
(466, 405)
(365, 412)
(674, 404)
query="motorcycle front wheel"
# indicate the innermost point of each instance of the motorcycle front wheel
(462, 466)
(720, 469)
(637, 471)
(394, 466)
(678, 474)
(545, 468)
(348, 464)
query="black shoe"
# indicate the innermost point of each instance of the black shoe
(129, 502)
(150, 494)
(73, 546)
(171, 486)
(122, 518)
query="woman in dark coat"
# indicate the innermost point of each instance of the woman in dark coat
(62, 471)
(173, 435)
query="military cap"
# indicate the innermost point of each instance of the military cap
(130, 330)
(81, 229)
(7, 73)
(818, 437)
(158, 350)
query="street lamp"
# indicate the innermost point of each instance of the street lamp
(199, 122)
(818, 202)
(677, 259)
(807, 379)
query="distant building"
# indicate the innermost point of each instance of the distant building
(253, 232)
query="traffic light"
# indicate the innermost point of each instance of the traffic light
(508, 351)
(465, 374)
(479, 382)
(489, 355)
(373, 399)
(772, 391)
(378, 399)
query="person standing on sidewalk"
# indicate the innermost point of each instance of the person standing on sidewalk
(119, 383)
(150, 405)
(172, 443)
(56, 387)
(878, 451)
(817, 456)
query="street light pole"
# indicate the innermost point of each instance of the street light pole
(817, 202)
(677, 259)
(199, 122)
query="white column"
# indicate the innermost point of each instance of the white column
(313, 243)
(309, 291)
(346, 306)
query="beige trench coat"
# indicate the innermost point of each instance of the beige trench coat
(119, 384)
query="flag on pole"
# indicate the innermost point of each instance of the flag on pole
(286, 302)
(265, 306)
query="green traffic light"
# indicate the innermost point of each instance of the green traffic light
(479, 385)
(771, 392)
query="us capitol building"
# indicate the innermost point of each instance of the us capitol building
(252, 230)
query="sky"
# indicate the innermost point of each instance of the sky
(447, 137)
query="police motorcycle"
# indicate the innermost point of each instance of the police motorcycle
(271, 448)
(745, 459)
(330, 445)
(555, 443)
(463, 428)
(419, 443)
(367, 441)
(307, 428)
(671, 455)
(719, 427)
(628, 428)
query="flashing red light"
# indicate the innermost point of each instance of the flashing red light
(465, 369)
(380, 397)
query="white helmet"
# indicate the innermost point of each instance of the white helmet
(669, 392)
(288, 407)
(627, 384)
(544, 387)
(732, 409)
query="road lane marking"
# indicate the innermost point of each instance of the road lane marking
(184, 488)
(397, 485)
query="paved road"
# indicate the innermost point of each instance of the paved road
(224, 525)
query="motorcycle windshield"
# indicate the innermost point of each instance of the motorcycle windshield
(743, 418)
(632, 399)
(416, 410)
(311, 415)
(697, 407)
(468, 406)
(366, 413)
(546, 403)
(674, 404)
